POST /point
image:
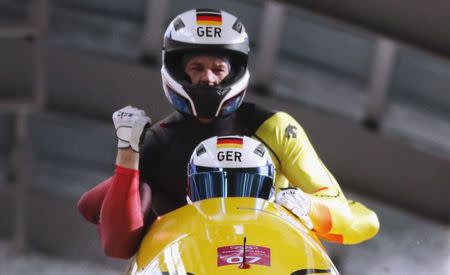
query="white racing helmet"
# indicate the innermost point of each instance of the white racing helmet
(205, 32)
(230, 166)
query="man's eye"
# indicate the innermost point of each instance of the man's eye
(218, 70)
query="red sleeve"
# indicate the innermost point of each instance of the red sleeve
(91, 202)
(122, 214)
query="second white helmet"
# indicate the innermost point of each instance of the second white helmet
(230, 166)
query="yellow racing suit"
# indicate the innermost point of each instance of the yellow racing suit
(334, 217)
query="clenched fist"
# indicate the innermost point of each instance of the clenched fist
(130, 123)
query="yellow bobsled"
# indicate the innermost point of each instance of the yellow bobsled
(232, 235)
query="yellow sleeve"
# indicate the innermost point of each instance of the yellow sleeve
(334, 219)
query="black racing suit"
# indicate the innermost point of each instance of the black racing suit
(168, 145)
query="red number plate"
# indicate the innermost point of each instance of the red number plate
(227, 255)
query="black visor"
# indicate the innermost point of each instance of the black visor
(241, 182)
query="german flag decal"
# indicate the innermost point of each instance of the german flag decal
(209, 17)
(231, 142)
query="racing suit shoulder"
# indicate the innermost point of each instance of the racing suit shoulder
(158, 133)
(250, 116)
(299, 165)
(155, 139)
(293, 152)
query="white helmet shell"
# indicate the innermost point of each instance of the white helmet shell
(205, 32)
(230, 166)
(217, 27)
(231, 152)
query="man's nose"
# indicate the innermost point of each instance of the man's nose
(208, 78)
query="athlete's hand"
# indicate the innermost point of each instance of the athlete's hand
(130, 123)
(297, 202)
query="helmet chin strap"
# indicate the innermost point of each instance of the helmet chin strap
(201, 120)
(206, 120)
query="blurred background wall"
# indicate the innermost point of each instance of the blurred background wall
(372, 95)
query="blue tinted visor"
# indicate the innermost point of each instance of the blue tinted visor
(231, 182)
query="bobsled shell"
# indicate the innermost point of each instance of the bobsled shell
(207, 237)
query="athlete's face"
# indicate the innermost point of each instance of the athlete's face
(207, 70)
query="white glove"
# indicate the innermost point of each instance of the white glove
(297, 202)
(130, 122)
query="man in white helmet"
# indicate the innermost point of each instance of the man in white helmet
(230, 166)
(205, 78)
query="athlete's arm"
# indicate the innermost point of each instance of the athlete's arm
(364, 225)
(333, 218)
(120, 203)
(91, 201)
(122, 213)
(119, 206)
